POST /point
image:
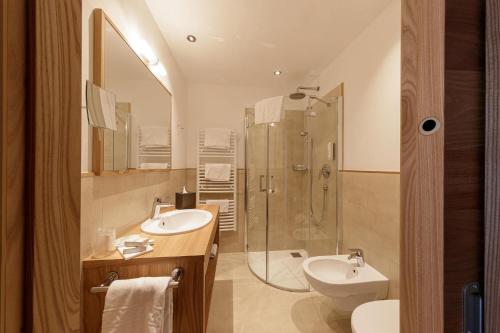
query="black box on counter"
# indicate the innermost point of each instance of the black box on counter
(185, 200)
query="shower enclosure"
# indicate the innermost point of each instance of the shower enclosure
(292, 191)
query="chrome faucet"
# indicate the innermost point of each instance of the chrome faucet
(358, 255)
(157, 204)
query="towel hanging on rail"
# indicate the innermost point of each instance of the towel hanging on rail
(218, 172)
(269, 110)
(139, 305)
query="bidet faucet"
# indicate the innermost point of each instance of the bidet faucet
(157, 204)
(358, 255)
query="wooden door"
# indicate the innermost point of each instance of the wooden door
(464, 137)
(442, 170)
(422, 166)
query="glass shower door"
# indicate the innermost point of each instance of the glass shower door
(256, 200)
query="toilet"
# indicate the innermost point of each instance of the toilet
(376, 317)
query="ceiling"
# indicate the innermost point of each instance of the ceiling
(242, 42)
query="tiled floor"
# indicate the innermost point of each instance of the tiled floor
(284, 269)
(241, 303)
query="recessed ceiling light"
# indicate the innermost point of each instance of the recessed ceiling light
(191, 38)
(278, 72)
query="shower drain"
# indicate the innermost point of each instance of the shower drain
(296, 254)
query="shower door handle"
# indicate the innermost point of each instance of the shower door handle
(271, 185)
(262, 188)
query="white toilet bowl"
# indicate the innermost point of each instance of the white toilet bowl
(347, 285)
(376, 317)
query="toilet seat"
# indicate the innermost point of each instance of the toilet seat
(376, 317)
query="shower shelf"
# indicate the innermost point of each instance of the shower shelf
(218, 190)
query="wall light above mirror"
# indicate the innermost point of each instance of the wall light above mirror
(130, 72)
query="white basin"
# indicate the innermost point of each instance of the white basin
(177, 222)
(347, 285)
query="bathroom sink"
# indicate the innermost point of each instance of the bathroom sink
(177, 222)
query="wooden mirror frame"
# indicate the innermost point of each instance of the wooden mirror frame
(99, 23)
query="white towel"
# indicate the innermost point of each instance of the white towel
(213, 250)
(154, 136)
(269, 110)
(223, 205)
(218, 138)
(138, 305)
(154, 166)
(218, 172)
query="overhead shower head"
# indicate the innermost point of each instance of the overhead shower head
(297, 95)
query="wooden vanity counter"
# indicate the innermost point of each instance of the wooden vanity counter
(190, 251)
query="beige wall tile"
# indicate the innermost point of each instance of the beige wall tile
(371, 220)
(120, 201)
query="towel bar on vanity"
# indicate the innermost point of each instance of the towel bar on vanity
(112, 276)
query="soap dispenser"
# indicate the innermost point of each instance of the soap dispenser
(185, 199)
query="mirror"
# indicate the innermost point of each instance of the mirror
(143, 109)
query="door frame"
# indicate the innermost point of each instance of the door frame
(12, 162)
(492, 168)
(53, 153)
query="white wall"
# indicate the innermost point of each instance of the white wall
(135, 21)
(211, 105)
(370, 70)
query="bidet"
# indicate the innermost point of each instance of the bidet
(347, 285)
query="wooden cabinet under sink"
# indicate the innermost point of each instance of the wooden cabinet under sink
(189, 251)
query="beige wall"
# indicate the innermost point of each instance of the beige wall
(134, 20)
(121, 201)
(371, 220)
(370, 69)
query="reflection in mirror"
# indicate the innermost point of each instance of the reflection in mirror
(100, 107)
(143, 117)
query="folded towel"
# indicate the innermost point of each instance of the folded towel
(218, 172)
(154, 166)
(218, 138)
(269, 110)
(138, 305)
(223, 205)
(154, 136)
(129, 252)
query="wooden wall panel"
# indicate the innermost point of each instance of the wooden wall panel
(492, 199)
(464, 155)
(422, 167)
(13, 15)
(55, 128)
